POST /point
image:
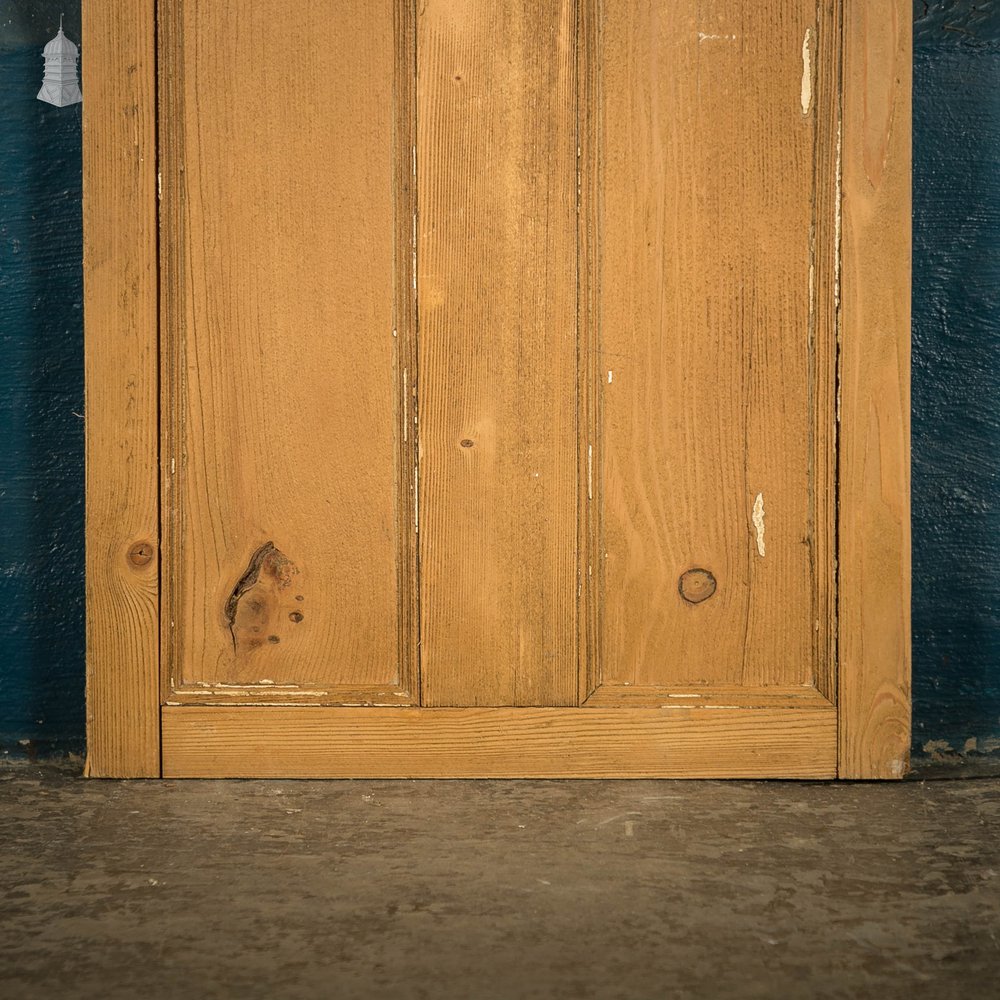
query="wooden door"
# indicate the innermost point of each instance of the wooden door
(505, 397)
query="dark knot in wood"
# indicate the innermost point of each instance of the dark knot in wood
(696, 585)
(141, 554)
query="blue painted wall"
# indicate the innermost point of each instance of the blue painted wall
(956, 378)
(41, 392)
(956, 386)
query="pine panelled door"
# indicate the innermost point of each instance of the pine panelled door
(498, 388)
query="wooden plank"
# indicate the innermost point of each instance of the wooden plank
(289, 344)
(874, 549)
(498, 743)
(120, 307)
(702, 459)
(497, 300)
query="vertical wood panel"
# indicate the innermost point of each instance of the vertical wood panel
(874, 540)
(497, 300)
(288, 317)
(120, 304)
(707, 136)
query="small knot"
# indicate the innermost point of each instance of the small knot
(696, 585)
(141, 554)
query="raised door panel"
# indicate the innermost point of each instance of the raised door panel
(712, 343)
(286, 241)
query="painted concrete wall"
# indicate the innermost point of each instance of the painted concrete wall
(956, 391)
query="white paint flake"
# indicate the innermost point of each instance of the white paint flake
(702, 37)
(758, 522)
(837, 200)
(807, 75)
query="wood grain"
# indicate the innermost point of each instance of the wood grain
(498, 743)
(874, 585)
(289, 343)
(707, 136)
(120, 304)
(496, 156)
(823, 343)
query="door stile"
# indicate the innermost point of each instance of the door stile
(121, 374)
(874, 474)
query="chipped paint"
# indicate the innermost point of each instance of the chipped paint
(703, 37)
(215, 685)
(590, 472)
(806, 94)
(300, 693)
(413, 245)
(837, 206)
(611, 377)
(758, 522)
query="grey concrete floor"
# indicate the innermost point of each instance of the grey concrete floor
(496, 889)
